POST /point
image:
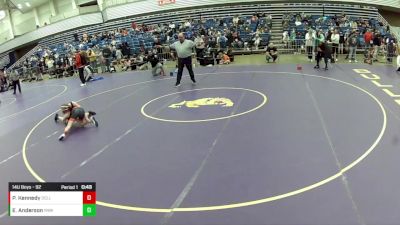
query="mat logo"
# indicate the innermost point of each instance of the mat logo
(223, 102)
(375, 79)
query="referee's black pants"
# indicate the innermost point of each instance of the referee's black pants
(182, 62)
(81, 75)
(322, 55)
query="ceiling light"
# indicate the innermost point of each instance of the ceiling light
(28, 4)
(19, 6)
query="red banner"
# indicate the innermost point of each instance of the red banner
(165, 2)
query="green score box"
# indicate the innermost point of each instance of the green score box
(89, 210)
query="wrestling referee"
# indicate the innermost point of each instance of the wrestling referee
(184, 49)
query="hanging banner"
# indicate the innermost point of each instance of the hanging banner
(165, 2)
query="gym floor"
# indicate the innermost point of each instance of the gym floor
(246, 145)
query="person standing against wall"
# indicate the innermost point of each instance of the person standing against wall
(184, 49)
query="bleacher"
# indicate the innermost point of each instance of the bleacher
(4, 59)
(276, 10)
(139, 40)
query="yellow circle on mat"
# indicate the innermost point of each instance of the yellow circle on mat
(238, 204)
(264, 101)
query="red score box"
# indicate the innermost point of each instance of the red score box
(89, 197)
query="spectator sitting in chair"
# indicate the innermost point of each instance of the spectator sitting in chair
(224, 58)
(271, 53)
(157, 67)
(257, 41)
(141, 62)
(127, 64)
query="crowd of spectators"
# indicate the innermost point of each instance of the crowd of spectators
(129, 47)
(345, 34)
(214, 38)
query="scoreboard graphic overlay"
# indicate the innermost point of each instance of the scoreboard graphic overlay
(52, 199)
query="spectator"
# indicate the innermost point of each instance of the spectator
(323, 51)
(80, 63)
(127, 64)
(235, 20)
(188, 25)
(391, 50)
(126, 51)
(157, 44)
(353, 43)
(223, 42)
(310, 39)
(92, 58)
(107, 55)
(341, 42)
(319, 38)
(368, 37)
(172, 27)
(376, 43)
(50, 65)
(285, 38)
(268, 21)
(85, 37)
(254, 18)
(398, 57)
(285, 25)
(118, 55)
(335, 39)
(369, 56)
(3, 81)
(229, 37)
(200, 45)
(298, 22)
(257, 41)
(237, 43)
(224, 58)
(141, 61)
(271, 53)
(134, 25)
(354, 25)
(202, 31)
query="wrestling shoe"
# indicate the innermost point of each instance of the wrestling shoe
(91, 113)
(62, 136)
(94, 121)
